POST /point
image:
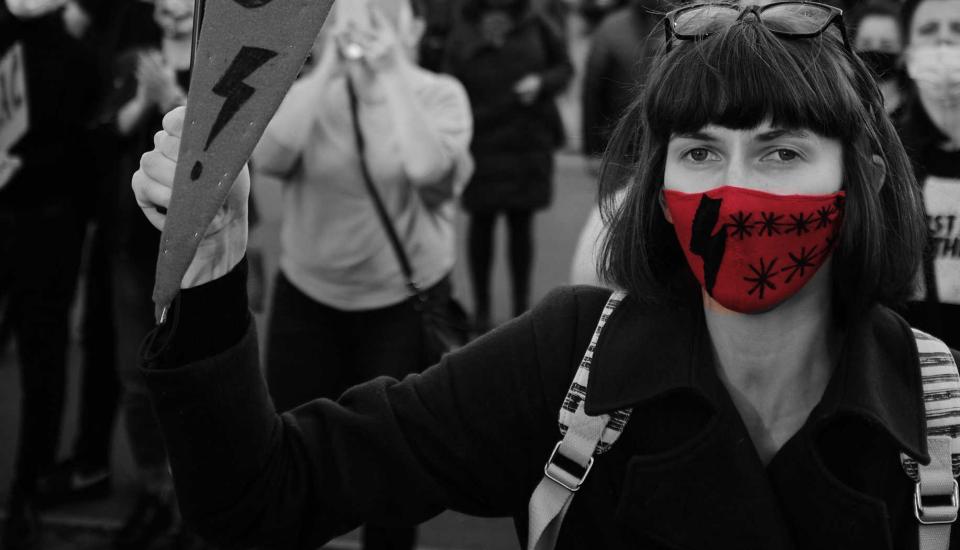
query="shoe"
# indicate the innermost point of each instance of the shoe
(70, 481)
(151, 519)
(21, 530)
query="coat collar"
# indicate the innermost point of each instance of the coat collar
(647, 351)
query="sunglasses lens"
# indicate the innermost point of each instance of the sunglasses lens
(799, 17)
(704, 19)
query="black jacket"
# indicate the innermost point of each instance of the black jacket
(473, 433)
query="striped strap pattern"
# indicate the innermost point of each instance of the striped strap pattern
(941, 398)
(578, 389)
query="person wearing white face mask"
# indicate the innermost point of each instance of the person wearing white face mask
(930, 129)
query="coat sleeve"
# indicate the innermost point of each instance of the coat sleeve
(470, 434)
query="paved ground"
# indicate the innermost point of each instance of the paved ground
(89, 526)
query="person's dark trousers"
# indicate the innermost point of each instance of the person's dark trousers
(40, 250)
(100, 390)
(315, 351)
(480, 250)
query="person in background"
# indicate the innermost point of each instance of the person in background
(930, 129)
(619, 56)
(878, 40)
(513, 62)
(85, 474)
(42, 225)
(150, 77)
(341, 294)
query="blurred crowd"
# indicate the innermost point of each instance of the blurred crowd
(454, 104)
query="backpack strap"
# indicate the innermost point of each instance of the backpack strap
(936, 494)
(584, 436)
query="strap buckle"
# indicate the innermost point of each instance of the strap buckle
(936, 513)
(562, 474)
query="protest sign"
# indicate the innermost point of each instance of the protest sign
(247, 55)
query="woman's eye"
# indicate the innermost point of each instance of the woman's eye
(698, 155)
(782, 155)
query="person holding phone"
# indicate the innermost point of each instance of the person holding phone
(341, 293)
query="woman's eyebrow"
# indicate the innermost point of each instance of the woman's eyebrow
(777, 134)
(698, 135)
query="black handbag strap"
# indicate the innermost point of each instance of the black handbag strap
(385, 220)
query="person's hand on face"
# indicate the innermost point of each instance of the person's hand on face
(380, 46)
(29, 9)
(528, 88)
(225, 241)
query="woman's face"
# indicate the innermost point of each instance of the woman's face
(775, 160)
(878, 33)
(936, 22)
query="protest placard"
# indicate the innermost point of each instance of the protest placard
(247, 56)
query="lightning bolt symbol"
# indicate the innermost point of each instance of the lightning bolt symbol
(709, 246)
(232, 87)
(235, 91)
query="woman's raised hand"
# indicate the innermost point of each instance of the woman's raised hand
(225, 242)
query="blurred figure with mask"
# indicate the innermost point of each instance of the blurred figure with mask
(341, 293)
(930, 130)
(878, 40)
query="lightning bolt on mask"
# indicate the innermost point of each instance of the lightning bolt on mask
(752, 250)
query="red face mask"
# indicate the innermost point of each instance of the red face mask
(752, 250)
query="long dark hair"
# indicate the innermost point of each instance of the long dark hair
(739, 77)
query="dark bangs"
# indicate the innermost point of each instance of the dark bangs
(743, 75)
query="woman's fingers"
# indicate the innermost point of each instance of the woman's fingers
(158, 167)
(173, 121)
(167, 145)
(153, 198)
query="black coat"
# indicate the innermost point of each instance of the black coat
(473, 433)
(513, 143)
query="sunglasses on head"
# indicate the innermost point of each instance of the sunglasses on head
(807, 20)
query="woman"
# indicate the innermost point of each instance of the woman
(930, 129)
(341, 293)
(768, 403)
(513, 62)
